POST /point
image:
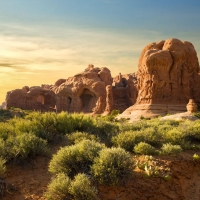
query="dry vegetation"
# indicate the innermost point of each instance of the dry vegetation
(75, 156)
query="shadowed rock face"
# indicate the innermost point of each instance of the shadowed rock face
(124, 91)
(34, 98)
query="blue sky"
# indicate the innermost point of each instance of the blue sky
(44, 40)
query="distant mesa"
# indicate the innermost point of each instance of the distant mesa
(167, 77)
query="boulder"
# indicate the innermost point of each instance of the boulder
(192, 106)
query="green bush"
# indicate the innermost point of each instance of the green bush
(151, 136)
(62, 187)
(104, 130)
(76, 137)
(7, 149)
(175, 136)
(127, 140)
(3, 150)
(68, 123)
(59, 188)
(6, 129)
(76, 158)
(65, 123)
(81, 188)
(43, 125)
(112, 116)
(27, 145)
(113, 166)
(145, 149)
(193, 131)
(170, 149)
(2, 166)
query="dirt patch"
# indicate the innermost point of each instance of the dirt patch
(30, 180)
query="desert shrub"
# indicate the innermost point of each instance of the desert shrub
(2, 148)
(62, 187)
(174, 136)
(104, 130)
(76, 137)
(76, 158)
(144, 148)
(112, 166)
(163, 128)
(171, 122)
(81, 188)
(151, 136)
(59, 188)
(83, 122)
(197, 114)
(65, 123)
(43, 125)
(69, 123)
(6, 149)
(127, 140)
(125, 126)
(2, 166)
(9, 113)
(48, 122)
(4, 115)
(27, 145)
(170, 149)
(112, 116)
(6, 129)
(28, 126)
(193, 131)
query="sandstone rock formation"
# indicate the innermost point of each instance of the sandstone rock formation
(167, 78)
(92, 91)
(192, 106)
(85, 92)
(34, 98)
(124, 91)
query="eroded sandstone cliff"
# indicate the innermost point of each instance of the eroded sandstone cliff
(167, 78)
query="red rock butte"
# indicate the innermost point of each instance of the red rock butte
(166, 79)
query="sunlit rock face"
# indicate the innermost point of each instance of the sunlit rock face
(86, 92)
(166, 71)
(167, 78)
(33, 98)
(92, 91)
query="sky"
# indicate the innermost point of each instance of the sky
(42, 41)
